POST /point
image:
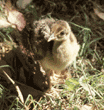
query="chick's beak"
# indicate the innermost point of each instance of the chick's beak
(51, 37)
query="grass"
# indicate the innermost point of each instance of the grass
(85, 88)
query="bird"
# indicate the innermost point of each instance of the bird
(61, 47)
(64, 49)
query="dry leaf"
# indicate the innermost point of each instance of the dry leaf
(12, 17)
(17, 18)
(99, 14)
(4, 23)
(23, 3)
(87, 107)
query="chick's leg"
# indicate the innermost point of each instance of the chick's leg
(48, 74)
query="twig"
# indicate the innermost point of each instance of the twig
(17, 88)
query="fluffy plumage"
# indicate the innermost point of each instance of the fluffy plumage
(64, 48)
(55, 43)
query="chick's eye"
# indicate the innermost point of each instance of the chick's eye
(62, 33)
